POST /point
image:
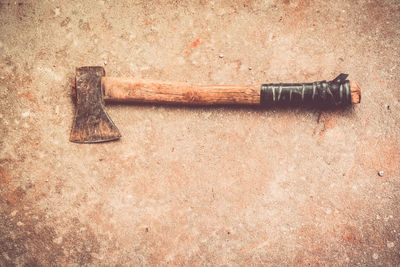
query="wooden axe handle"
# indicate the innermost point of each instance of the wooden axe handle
(152, 91)
(139, 90)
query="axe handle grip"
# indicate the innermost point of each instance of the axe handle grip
(151, 91)
(139, 90)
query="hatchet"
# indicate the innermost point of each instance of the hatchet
(92, 88)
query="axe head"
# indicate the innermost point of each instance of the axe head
(91, 123)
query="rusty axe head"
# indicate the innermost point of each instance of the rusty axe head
(91, 123)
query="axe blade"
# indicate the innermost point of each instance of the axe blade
(91, 123)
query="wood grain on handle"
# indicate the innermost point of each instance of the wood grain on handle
(140, 90)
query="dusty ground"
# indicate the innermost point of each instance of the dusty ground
(200, 186)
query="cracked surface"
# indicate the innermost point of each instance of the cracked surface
(200, 186)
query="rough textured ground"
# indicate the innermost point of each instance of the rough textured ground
(200, 186)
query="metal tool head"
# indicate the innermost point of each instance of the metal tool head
(91, 123)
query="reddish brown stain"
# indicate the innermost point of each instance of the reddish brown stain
(28, 95)
(15, 197)
(195, 43)
(329, 123)
(351, 235)
(328, 120)
(238, 64)
(5, 177)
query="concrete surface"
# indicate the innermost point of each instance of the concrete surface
(200, 186)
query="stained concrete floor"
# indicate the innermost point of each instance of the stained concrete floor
(200, 186)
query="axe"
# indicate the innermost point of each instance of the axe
(92, 88)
